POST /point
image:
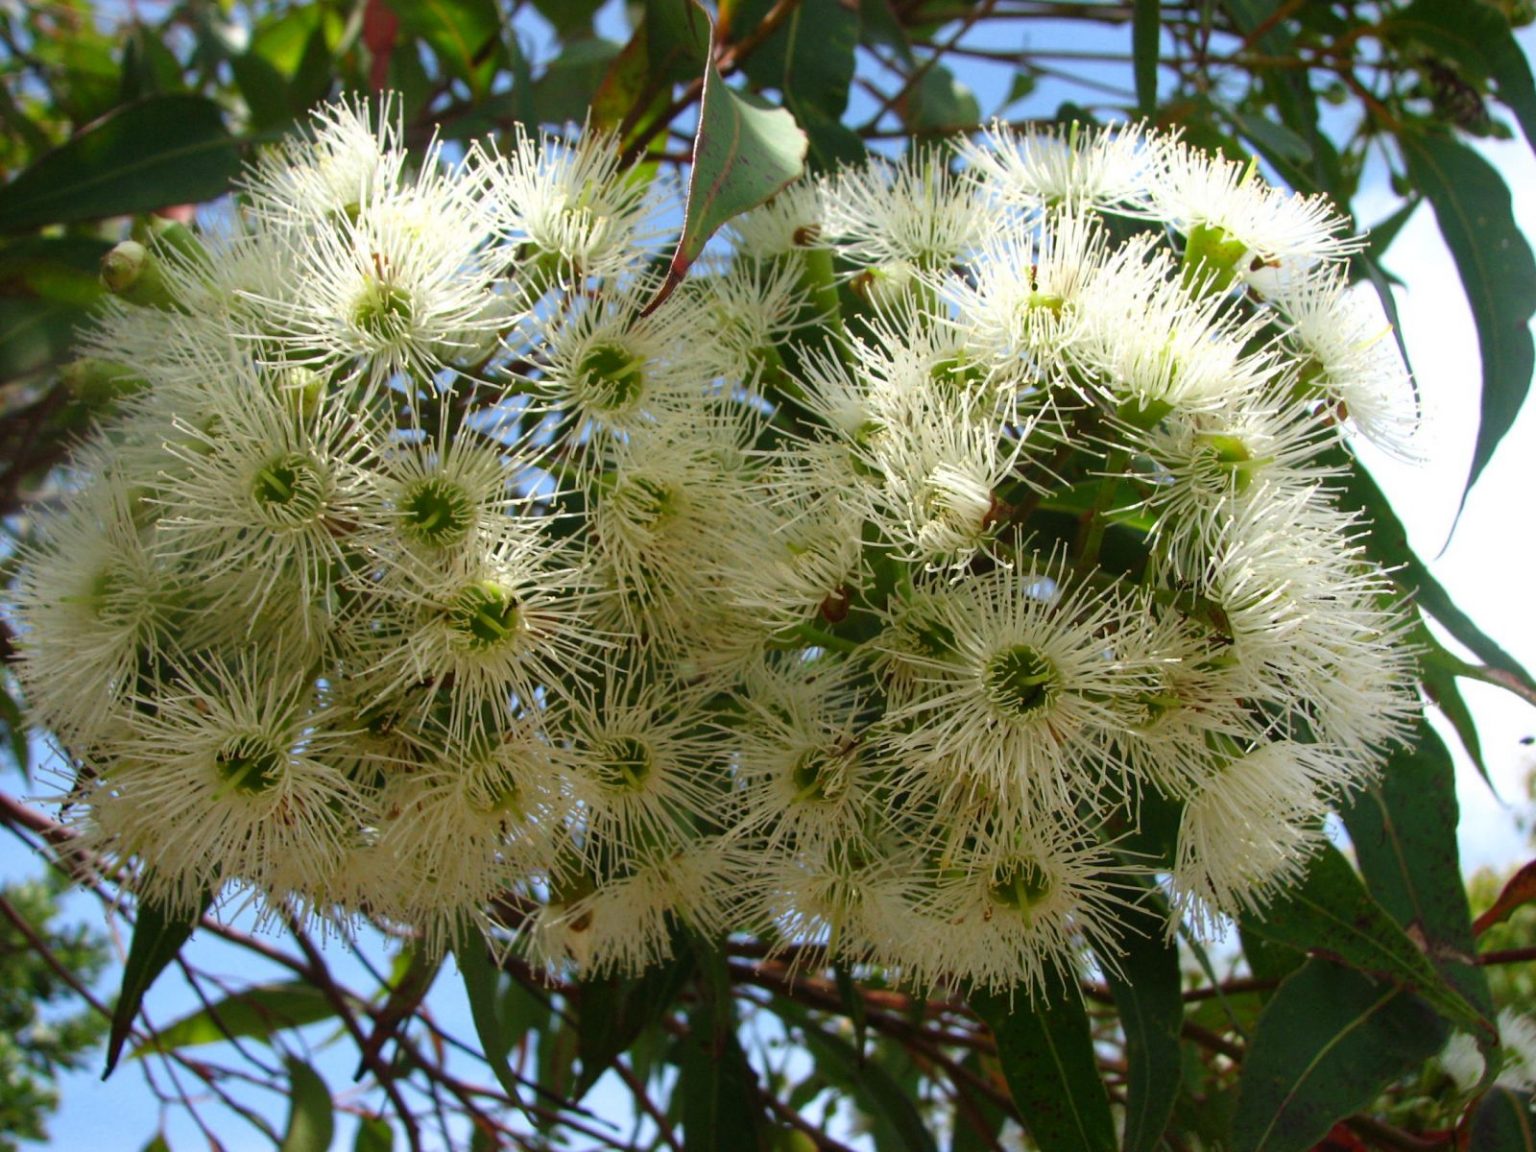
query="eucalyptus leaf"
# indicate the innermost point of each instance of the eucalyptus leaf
(1472, 206)
(312, 1115)
(258, 1012)
(744, 151)
(161, 151)
(1047, 1054)
(1326, 1045)
(157, 938)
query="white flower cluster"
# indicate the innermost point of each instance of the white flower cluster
(948, 569)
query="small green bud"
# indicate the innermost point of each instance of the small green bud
(96, 383)
(131, 271)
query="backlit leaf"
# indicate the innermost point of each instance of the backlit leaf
(1472, 206)
(161, 151)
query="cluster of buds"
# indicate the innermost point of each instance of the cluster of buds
(945, 573)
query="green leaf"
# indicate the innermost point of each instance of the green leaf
(679, 40)
(374, 1134)
(721, 1111)
(1272, 139)
(161, 151)
(1501, 1123)
(853, 1005)
(743, 153)
(810, 60)
(941, 102)
(878, 25)
(1387, 542)
(613, 1011)
(1326, 1045)
(894, 1119)
(465, 34)
(157, 938)
(15, 730)
(1404, 832)
(1472, 205)
(312, 1117)
(1330, 912)
(481, 979)
(1289, 91)
(978, 1123)
(1146, 984)
(1479, 39)
(257, 1012)
(572, 19)
(572, 79)
(1146, 36)
(1047, 1054)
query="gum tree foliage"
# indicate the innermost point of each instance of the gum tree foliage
(1321, 1031)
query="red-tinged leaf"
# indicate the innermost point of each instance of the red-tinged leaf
(1520, 891)
(380, 24)
(744, 151)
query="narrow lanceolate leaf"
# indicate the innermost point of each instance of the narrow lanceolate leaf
(1146, 33)
(481, 978)
(1330, 912)
(311, 1116)
(721, 1111)
(1387, 542)
(1404, 832)
(160, 151)
(1327, 1044)
(893, 1119)
(613, 1011)
(1047, 1055)
(1479, 39)
(157, 938)
(1501, 1122)
(1145, 983)
(744, 151)
(1516, 894)
(1498, 273)
(254, 1012)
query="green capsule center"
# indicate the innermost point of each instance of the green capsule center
(612, 376)
(383, 311)
(485, 615)
(623, 764)
(436, 512)
(290, 490)
(1019, 681)
(249, 764)
(1020, 885)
